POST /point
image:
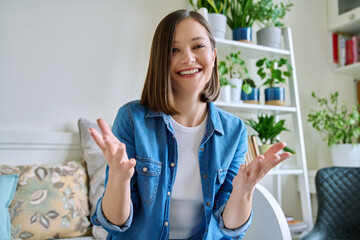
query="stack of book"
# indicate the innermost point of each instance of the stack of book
(345, 49)
(253, 149)
(297, 228)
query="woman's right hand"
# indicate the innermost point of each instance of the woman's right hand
(120, 166)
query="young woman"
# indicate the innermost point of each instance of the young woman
(176, 161)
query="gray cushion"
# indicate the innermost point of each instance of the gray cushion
(96, 165)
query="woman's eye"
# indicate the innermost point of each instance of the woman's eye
(199, 46)
(175, 50)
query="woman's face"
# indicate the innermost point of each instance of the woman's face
(192, 59)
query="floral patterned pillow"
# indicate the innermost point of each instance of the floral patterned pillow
(50, 201)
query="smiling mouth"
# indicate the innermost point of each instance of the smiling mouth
(189, 72)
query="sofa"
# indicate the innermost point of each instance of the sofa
(51, 182)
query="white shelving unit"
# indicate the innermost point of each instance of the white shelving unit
(253, 51)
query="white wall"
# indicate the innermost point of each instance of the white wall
(60, 60)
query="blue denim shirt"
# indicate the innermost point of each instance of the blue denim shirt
(150, 139)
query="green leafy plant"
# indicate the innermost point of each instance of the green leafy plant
(223, 73)
(243, 13)
(235, 65)
(335, 123)
(274, 71)
(213, 6)
(272, 15)
(268, 129)
(248, 85)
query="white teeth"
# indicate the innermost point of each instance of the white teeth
(189, 72)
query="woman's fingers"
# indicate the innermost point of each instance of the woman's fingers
(264, 163)
(104, 127)
(275, 149)
(110, 145)
(249, 175)
(284, 156)
(131, 163)
(97, 138)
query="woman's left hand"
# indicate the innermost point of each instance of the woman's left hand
(249, 175)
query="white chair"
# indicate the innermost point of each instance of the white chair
(269, 221)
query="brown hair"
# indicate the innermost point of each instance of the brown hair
(157, 92)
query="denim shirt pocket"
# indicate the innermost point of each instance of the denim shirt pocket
(148, 174)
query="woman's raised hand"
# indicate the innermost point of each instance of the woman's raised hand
(252, 173)
(120, 166)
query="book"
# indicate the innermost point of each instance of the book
(296, 227)
(256, 146)
(249, 152)
(342, 38)
(335, 48)
(253, 149)
(349, 48)
(356, 48)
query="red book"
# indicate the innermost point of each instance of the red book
(349, 52)
(335, 45)
(356, 48)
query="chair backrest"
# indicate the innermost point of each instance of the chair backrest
(269, 221)
(338, 196)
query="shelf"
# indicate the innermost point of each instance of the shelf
(351, 70)
(249, 50)
(350, 28)
(298, 170)
(285, 172)
(254, 108)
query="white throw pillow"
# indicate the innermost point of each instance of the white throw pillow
(96, 165)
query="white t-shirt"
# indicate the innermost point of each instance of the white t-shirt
(186, 203)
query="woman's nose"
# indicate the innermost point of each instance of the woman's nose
(188, 58)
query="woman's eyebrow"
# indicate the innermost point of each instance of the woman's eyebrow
(193, 39)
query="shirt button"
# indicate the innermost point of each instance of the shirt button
(168, 193)
(172, 164)
(205, 176)
(208, 204)
(166, 224)
(201, 149)
(145, 169)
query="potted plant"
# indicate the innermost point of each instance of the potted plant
(339, 127)
(243, 14)
(267, 131)
(275, 71)
(216, 14)
(225, 85)
(270, 16)
(249, 92)
(234, 68)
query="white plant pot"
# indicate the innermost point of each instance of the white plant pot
(346, 155)
(270, 36)
(225, 94)
(217, 23)
(204, 12)
(236, 91)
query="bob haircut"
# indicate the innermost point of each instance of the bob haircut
(157, 93)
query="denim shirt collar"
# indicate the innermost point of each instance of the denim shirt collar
(213, 121)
